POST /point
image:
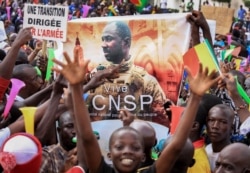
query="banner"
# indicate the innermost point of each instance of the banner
(49, 22)
(152, 64)
(223, 17)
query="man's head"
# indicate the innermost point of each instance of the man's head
(185, 158)
(22, 57)
(116, 41)
(210, 100)
(66, 131)
(220, 123)
(28, 74)
(234, 158)
(199, 123)
(147, 132)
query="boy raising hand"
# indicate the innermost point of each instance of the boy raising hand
(126, 145)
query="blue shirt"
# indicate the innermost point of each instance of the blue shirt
(241, 13)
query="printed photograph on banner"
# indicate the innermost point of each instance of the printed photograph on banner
(48, 22)
(148, 50)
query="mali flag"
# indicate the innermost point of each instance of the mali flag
(202, 53)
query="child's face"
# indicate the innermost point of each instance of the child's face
(126, 151)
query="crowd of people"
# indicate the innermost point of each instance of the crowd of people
(213, 134)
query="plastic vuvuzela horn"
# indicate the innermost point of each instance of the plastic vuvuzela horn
(8, 12)
(16, 86)
(29, 118)
(229, 39)
(19, 10)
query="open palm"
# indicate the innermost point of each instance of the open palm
(74, 71)
(202, 81)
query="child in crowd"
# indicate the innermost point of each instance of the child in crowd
(126, 145)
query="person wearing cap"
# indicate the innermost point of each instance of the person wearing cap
(21, 158)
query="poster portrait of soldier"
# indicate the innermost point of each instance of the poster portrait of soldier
(148, 50)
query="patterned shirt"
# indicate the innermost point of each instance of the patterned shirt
(53, 160)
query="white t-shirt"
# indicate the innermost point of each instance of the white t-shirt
(4, 134)
(248, 36)
(245, 127)
(212, 156)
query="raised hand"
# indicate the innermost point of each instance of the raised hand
(23, 36)
(74, 71)
(126, 117)
(202, 81)
(41, 63)
(38, 45)
(195, 34)
(228, 82)
(198, 18)
(101, 76)
(59, 84)
(226, 67)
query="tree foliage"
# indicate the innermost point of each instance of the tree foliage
(247, 3)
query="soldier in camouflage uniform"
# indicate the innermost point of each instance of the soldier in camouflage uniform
(134, 89)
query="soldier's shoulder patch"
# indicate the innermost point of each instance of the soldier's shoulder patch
(139, 70)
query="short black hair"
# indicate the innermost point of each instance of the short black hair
(209, 100)
(18, 71)
(201, 117)
(128, 129)
(236, 33)
(226, 111)
(22, 57)
(61, 118)
(122, 29)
